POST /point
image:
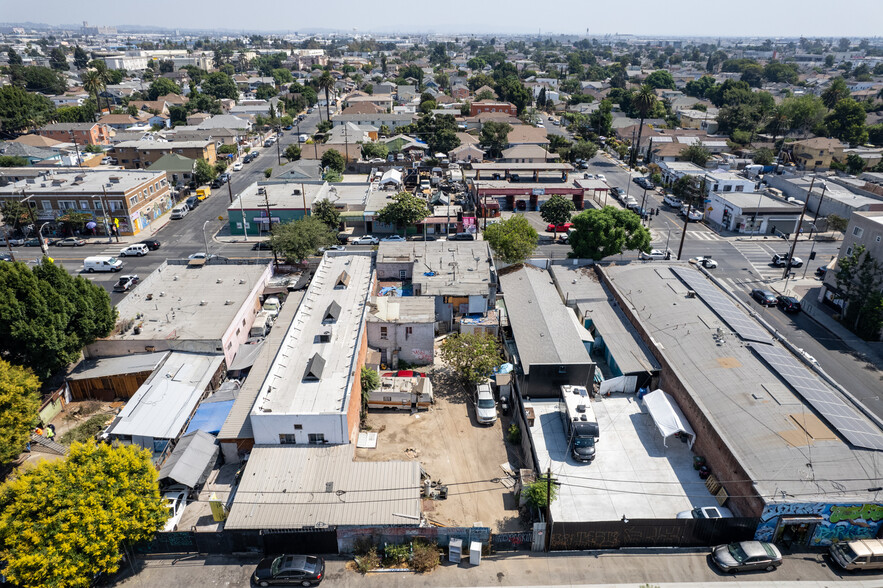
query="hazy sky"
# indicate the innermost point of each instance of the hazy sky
(817, 18)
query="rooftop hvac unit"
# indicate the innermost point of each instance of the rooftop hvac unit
(580, 408)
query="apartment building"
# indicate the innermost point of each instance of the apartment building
(141, 154)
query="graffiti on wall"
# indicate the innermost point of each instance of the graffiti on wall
(838, 522)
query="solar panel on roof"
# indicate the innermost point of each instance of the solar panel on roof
(857, 429)
(721, 305)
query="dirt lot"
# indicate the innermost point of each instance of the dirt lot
(452, 447)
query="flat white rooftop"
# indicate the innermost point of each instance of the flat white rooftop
(634, 473)
(313, 368)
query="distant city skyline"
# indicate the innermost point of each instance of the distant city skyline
(749, 18)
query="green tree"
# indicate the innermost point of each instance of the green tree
(220, 85)
(14, 58)
(299, 239)
(858, 277)
(837, 223)
(557, 210)
(602, 119)
(204, 173)
(281, 76)
(404, 210)
(63, 522)
(93, 83)
(660, 79)
(38, 79)
(696, 154)
(292, 152)
(58, 60)
(803, 112)
(847, 122)
(582, 150)
(439, 132)
(753, 75)
(268, 173)
(764, 156)
(855, 164)
(472, 356)
(537, 494)
(372, 150)
(334, 160)
(875, 134)
(829, 60)
(14, 213)
(81, 58)
(48, 316)
(512, 240)
(699, 88)
(161, 87)
(325, 211)
(370, 381)
(19, 405)
(834, 93)
(326, 83)
(600, 233)
(644, 102)
(12, 161)
(265, 92)
(494, 137)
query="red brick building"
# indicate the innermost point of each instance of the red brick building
(80, 133)
(488, 106)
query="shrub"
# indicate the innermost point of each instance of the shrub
(514, 434)
(425, 557)
(369, 561)
(394, 555)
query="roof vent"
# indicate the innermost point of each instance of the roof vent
(161, 294)
(219, 281)
(202, 302)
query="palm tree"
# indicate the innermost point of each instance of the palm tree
(778, 124)
(104, 76)
(644, 102)
(326, 82)
(93, 83)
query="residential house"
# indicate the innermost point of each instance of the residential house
(491, 106)
(696, 119)
(121, 122)
(402, 328)
(141, 154)
(392, 120)
(528, 135)
(178, 168)
(459, 92)
(363, 108)
(382, 101)
(128, 200)
(197, 117)
(79, 133)
(485, 89)
(527, 154)
(816, 153)
(466, 153)
(406, 93)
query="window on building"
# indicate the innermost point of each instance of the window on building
(849, 251)
(316, 438)
(287, 439)
(151, 189)
(403, 274)
(298, 427)
(562, 369)
(133, 200)
(96, 204)
(156, 186)
(739, 188)
(819, 162)
(728, 188)
(408, 332)
(857, 231)
(383, 334)
(84, 204)
(46, 204)
(144, 192)
(115, 205)
(66, 204)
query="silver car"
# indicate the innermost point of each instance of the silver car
(745, 556)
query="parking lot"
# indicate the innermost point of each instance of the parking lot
(635, 474)
(453, 448)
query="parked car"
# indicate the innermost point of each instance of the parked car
(788, 303)
(216, 183)
(485, 405)
(644, 183)
(706, 512)
(201, 255)
(13, 242)
(601, 177)
(152, 244)
(105, 160)
(563, 228)
(705, 262)
(175, 501)
(261, 246)
(365, 240)
(125, 283)
(745, 556)
(423, 238)
(764, 297)
(289, 570)
(70, 242)
(393, 239)
(33, 242)
(462, 237)
(4, 256)
(192, 202)
(237, 166)
(820, 272)
(779, 260)
(655, 254)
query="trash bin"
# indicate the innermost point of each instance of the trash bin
(698, 462)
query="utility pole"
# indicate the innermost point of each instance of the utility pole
(549, 492)
(701, 191)
(278, 153)
(230, 191)
(270, 224)
(797, 230)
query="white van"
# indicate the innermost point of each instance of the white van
(863, 554)
(180, 211)
(671, 200)
(302, 138)
(272, 306)
(263, 321)
(102, 263)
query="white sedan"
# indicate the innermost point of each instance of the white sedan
(237, 166)
(365, 240)
(175, 501)
(655, 254)
(201, 255)
(705, 262)
(393, 239)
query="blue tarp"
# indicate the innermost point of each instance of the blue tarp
(210, 417)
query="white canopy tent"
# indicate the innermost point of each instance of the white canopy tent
(668, 416)
(391, 176)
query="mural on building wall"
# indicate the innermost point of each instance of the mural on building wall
(840, 522)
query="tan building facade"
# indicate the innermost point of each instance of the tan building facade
(816, 153)
(141, 154)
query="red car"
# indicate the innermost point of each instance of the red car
(560, 228)
(404, 374)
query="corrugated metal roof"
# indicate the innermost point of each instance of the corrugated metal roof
(117, 366)
(192, 460)
(166, 400)
(290, 487)
(543, 331)
(238, 425)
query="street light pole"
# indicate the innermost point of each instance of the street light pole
(797, 231)
(205, 240)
